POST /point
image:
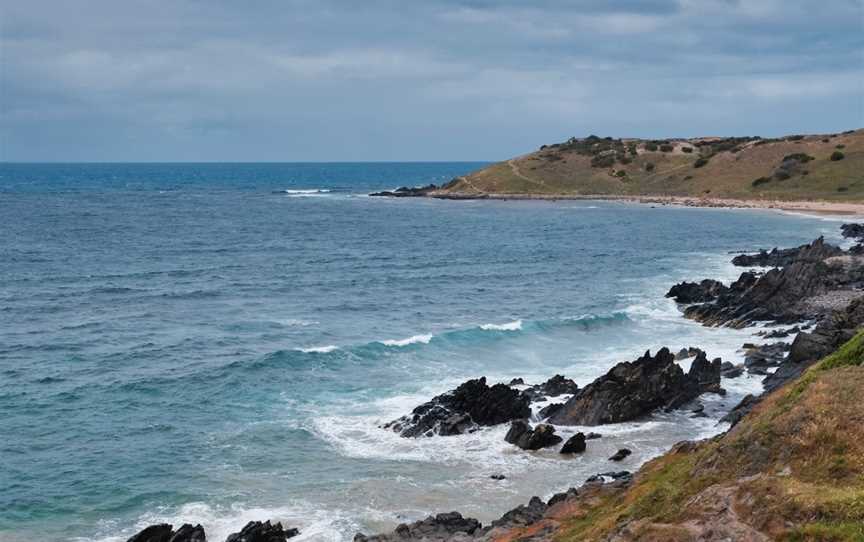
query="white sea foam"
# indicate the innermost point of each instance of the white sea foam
(515, 325)
(297, 322)
(319, 349)
(308, 191)
(415, 339)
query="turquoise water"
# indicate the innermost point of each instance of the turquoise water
(219, 342)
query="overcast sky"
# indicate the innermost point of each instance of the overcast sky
(323, 80)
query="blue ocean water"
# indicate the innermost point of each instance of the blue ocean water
(219, 342)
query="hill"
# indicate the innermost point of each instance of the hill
(827, 167)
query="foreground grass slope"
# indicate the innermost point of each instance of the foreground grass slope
(791, 470)
(813, 167)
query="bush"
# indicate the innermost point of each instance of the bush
(666, 148)
(688, 150)
(701, 161)
(837, 155)
(649, 167)
(651, 147)
(782, 175)
(761, 180)
(841, 146)
(798, 156)
(795, 138)
(607, 160)
(624, 160)
(688, 177)
(620, 173)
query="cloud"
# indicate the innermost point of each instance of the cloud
(443, 79)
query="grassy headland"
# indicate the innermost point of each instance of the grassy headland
(826, 167)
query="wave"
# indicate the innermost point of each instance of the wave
(319, 349)
(415, 339)
(304, 191)
(515, 325)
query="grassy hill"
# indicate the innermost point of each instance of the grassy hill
(812, 167)
(793, 469)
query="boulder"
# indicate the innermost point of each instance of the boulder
(606, 477)
(631, 390)
(522, 435)
(521, 515)
(472, 404)
(257, 531)
(154, 533)
(434, 528)
(852, 231)
(574, 445)
(189, 533)
(565, 496)
(620, 454)
(549, 410)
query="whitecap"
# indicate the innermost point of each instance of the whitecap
(515, 325)
(319, 349)
(415, 339)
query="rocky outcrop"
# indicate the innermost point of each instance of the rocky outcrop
(693, 292)
(554, 387)
(741, 409)
(631, 390)
(439, 528)
(816, 251)
(783, 295)
(256, 531)
(407, 192)
(164, 532)
(852, 231)
(522, 435)
(620, 455)
(759, 357)
(808, 348)
(462, 410)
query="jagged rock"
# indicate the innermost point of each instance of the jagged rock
(517, 382)
(634, 389)
(472, 404)
(808, 348)
(592, 436)
(766, 355)
(565, 496)
(522, 435)
(620, 454)
(852, 231)
(434, 528)
(682, 354)
(188, 533)
(728, 370)
(741, 409)
(549, 410)
(574, 445)
(498, 477)
(554, 387)
(692, 292)
(257, 531)
(154, 533)
(522, 514)
(782, 333)
(815, 251)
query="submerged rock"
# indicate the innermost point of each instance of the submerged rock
(522, 435)
(462, 410)
(256, 531)
(632, 390)
(620, 454)
(407, 192)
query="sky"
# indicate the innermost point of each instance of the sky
(395, 80)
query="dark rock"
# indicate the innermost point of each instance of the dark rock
(154, 533)
(574, 445)
(816, 251)
(407, 192)
(498, 477)
(565, 496)
(741, 409)
(606, 477)
(256, 531)
(188, 533)
(766, 355)
(634, 389)
(620, 454)
(549, 410)
(592, 436)
(682, 354)
(521, 435)
(728, 370)
(782, 333)
(558, 385)
(691, 292)
(434, 528)
(517, 382)
(522, 515)
(470, 405)
(852, 231)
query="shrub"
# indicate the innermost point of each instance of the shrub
(782, 175)
(650, 147)
(798, 156)
(761, 180)
(840, 146)
(688, 150)
(649, 167)
(842, 188)
(837, 155)
(603, 161)
(620, 173)
(666, 148)
(688, 177)
(624, 160)
(826, 140)
(701, 161)
(795, 138)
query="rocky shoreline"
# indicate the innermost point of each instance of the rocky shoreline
(814, 290)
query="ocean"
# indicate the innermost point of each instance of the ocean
(218, 343)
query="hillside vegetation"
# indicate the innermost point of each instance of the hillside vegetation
(812, 167)
(793, 470)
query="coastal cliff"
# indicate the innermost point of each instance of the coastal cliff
(823, 167)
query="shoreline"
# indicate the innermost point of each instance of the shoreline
(814, 207)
